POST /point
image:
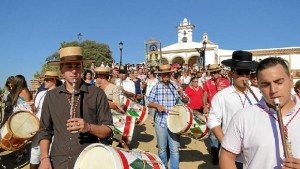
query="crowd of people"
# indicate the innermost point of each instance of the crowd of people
(236, 97)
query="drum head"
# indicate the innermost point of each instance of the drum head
(95, 156)
(23, 124)
(178, 118)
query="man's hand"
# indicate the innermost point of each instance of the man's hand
(45, 163)
(78, 124)
(291, 163)
(160, 108)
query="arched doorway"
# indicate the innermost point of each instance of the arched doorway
(178, 60)
(164, 61)
(193, 60)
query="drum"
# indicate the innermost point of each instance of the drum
(124, 127)
(135, 109)
(18, 130)
(106, 157)
(181, 120)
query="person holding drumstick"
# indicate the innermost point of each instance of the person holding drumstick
(228, 101)
(163, 97)
(255, 129)
(51, 81)
(210, 88)
(73, 129)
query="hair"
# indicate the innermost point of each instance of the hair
(177, 74)
(193, 78)
(9, 80)
(19, 83)
(297, 86)
(270, 62)
(58, 82)
(86, 72)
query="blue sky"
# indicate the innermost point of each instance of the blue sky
(32, 30)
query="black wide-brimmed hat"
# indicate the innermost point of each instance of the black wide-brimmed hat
(241, 60)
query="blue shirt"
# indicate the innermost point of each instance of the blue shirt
(165, 95)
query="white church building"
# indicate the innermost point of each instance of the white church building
(185, 51)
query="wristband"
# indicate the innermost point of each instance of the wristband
(89, 127)
(44, 158)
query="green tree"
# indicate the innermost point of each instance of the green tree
(99, 52)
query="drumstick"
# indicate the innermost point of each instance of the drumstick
(280, 122)
(251, 91)
(175, 112)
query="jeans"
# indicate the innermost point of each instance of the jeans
(164, 138)
(213, 140)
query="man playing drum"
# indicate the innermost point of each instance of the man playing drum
(163, 97)
(255, 129)
(234, 98)
(210, 88)
(125, 85)
(74, 125)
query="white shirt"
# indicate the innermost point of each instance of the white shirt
(38, 103)
(256, 133)
(226, 103)
(127, 84)
(150, 85)
(185, 80)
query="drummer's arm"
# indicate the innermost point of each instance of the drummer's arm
(44, 146)
(160, 108)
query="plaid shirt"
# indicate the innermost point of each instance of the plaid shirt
(166, 96)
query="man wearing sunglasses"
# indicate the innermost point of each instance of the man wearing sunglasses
(234, 98)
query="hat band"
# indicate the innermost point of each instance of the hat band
(71, 58)
(242, 61)
(167, 69)
(49, 76)
(102, 72)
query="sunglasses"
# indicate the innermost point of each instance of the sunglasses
(242, 71)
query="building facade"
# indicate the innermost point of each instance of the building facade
(186, 51)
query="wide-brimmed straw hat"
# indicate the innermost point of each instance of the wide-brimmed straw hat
(102, 71)
(70, 54)
(213, 68)
(51, 74)
(164, 69)
(241, 60)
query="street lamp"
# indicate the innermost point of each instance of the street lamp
(203, 52)
(121, 48)
(79, 37)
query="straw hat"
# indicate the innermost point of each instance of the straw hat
(51, 74)
(213, 68)
(164, 69)
(102, 70)
(70, 54)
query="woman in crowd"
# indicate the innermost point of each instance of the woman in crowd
(195, 92)
(21, 101)
(7, 99)
(137, 83)
(88, 77)
(151, 81)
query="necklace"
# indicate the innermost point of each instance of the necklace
(243, 102)
(76, 104)
(285, 127)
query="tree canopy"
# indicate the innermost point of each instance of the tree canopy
(99, 52)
